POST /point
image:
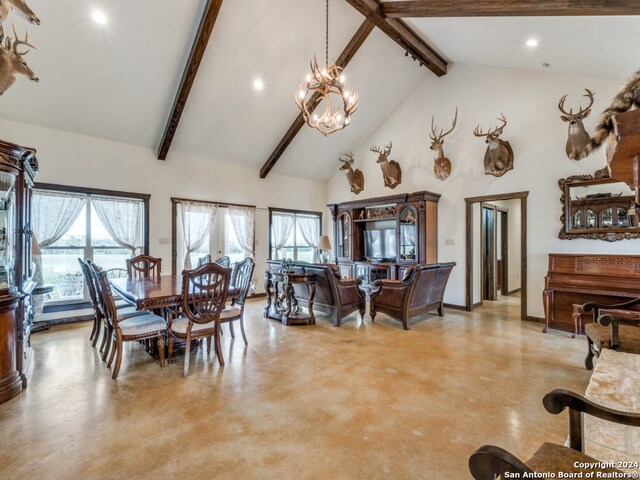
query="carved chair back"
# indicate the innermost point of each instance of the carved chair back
(102, 304)
(204, 259)
(204, 292)
(116, 273)
(243, 277)
(223, 261)
(144, 266)
(88, 280)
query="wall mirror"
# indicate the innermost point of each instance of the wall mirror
(597, 208)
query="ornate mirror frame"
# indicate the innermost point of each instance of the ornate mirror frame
(609, 234)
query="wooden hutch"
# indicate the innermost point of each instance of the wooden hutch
(18, 166)
(412, 218)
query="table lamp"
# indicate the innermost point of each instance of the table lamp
(324, 245)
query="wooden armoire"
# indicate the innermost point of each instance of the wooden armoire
(411, 218)
(18, 167)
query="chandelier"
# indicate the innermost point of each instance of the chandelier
(325, 91)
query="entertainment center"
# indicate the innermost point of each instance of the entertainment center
(380, 237)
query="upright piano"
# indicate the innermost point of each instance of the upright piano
(581, 278)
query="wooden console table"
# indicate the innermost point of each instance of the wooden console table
(285, 307)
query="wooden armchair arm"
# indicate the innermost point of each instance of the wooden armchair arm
(557, 400)
(399, 286)
(615, 321)
(587, 307)
(347, 282)
(489, 462)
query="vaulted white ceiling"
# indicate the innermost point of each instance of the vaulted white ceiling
(118, 81)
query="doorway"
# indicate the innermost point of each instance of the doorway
(496, 266)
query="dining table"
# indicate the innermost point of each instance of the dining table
(154, 293)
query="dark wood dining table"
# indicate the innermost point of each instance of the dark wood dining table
(154, 293)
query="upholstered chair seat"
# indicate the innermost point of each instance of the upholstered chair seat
(629, 341)
(142, 324)
(179, 326)
(128, 312)
(551, 457)
(230, 312)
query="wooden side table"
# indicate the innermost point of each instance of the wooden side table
(282, 303)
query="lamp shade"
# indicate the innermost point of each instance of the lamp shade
(324, 243)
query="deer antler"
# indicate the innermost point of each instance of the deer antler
(19, 42)
(349, 160)
(498, 130)
(583, 111)
(375, 149)
(589, 95)
(561, 107)
(387, 148)
(479, 133)
(437, 138)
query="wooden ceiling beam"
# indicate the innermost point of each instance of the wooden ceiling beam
(509, 8)
(400, 33)
(200, 42)
(345, 57)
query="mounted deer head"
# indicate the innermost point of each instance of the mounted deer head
(578, 136)
(442, 165)
(11, 61)
(355, 178)
(7, 6)
(498, 159)
(390, 168)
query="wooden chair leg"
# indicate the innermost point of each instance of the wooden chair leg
(161, 348)
(208, 346)
(170, 350)
(107, 334)
(218, 348)
(405, 324)
(113, 352)
(233, 334)
(105, 338)
(588, 362)
(441, 310)
(187, 351)
(94, 331)
(116, 369)
(244, 336)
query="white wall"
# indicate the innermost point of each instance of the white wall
(78, 160)
(514, 226)
(536, 133)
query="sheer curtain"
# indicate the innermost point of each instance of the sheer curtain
(243, 220)
(121, 217)
(281, 227)
(198, 219)
(53, 214)
(310, 232)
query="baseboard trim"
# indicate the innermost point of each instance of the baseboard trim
(60, 321)
(535, 319)
(479, 304)
(513, 291)
(453, 306)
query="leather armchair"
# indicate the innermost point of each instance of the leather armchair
(420, 291)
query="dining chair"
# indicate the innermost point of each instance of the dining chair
(204, 293)
(146, 326)
(116, 273)
(204, 259)
(244, 275)
(223, 261)
(99, 308)
(144, 266)
(97, 314)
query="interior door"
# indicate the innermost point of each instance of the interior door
(488, 251)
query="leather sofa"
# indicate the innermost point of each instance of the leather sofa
(420, 291)
(335, 297)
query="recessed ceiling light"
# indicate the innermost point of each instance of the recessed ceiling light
(546, 65)
(532, 42)
(99, 17)
(258, 84)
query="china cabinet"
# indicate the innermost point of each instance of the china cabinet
(18, 166)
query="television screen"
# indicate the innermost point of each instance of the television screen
(380, 244)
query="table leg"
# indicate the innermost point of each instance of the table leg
(311, 287)
(267, 288)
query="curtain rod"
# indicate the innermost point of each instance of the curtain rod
(220, 204)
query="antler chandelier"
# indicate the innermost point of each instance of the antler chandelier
(325, 88)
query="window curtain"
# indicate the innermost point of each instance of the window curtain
(53, 213)
(243, 220)
(122, 218)
(310, 232)
(198, 220)
(281, 227)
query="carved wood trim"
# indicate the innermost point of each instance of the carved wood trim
(491, 8)
(208, 20)
(399, 198)
(606, 236)
(343, 60)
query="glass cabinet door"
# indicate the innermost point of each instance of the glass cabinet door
(607, 218)
(344, 236)
(408, 238)
(7, 231)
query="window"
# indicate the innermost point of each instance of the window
(294, 234)
(210, 230)
(70, 223)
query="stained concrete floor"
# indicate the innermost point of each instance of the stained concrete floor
(362, 401)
